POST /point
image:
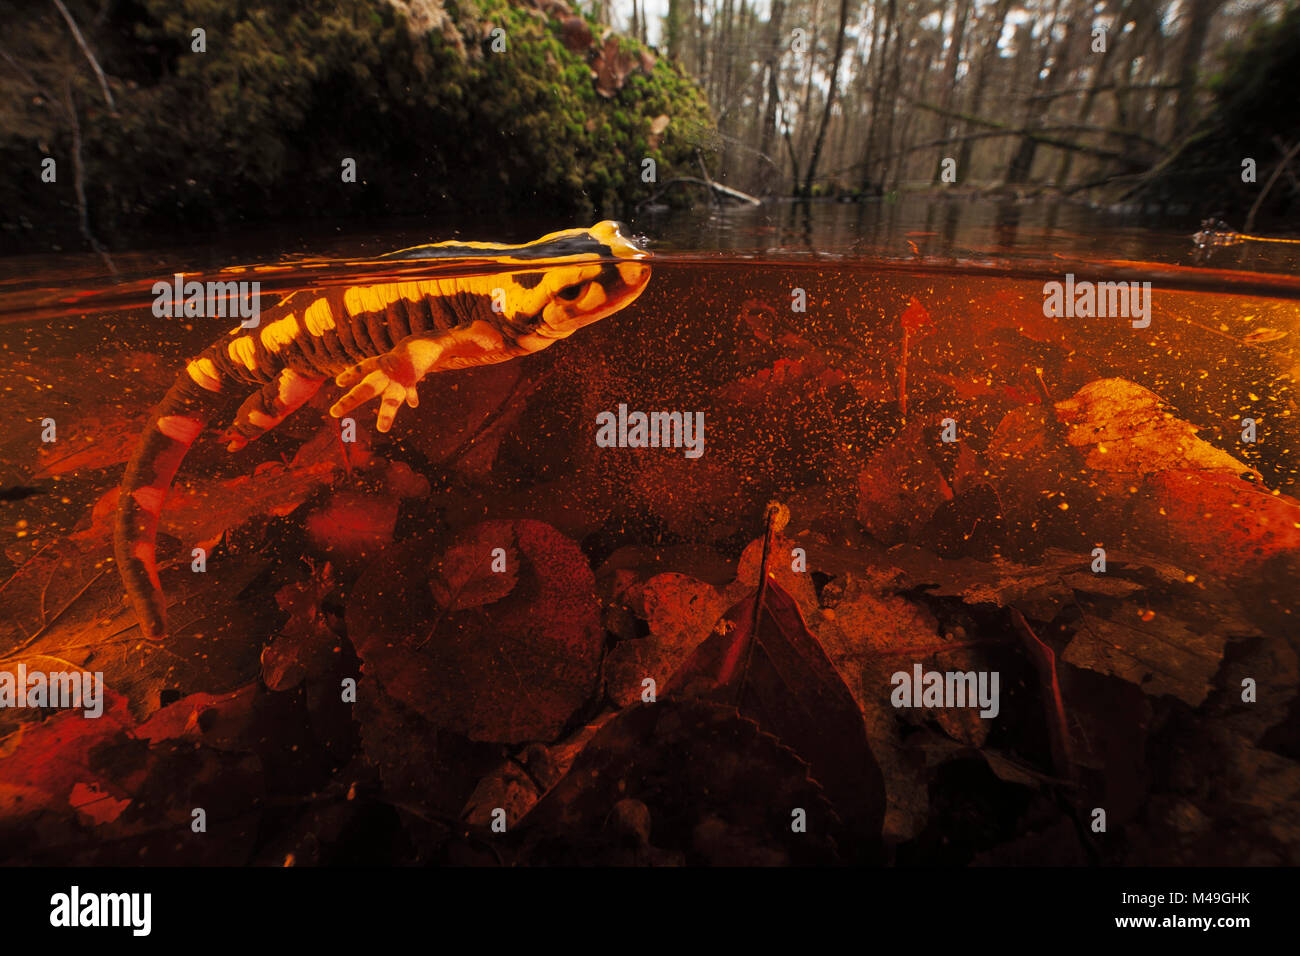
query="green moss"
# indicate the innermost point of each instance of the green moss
(256, 128)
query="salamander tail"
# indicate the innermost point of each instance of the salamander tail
(179, 418)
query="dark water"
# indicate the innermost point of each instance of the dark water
(829, 410)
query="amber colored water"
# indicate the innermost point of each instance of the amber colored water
(71, 335)
(799, 406)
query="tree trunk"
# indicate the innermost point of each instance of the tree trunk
(767, 135)
(947, 129)
(830, 99)
(868, 157)
(673, 30)
(1199, 15)
(985, 68)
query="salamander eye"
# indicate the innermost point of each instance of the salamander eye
(571, 292)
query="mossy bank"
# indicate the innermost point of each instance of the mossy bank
(446, 108)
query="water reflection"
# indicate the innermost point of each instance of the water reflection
(961, 228)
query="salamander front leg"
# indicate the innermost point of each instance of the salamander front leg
(393, 375)
(265, 409)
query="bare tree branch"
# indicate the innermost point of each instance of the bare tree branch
(85, 48)
(1277, 171)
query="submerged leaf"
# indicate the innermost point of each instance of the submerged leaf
(763, 659)
(916, 318)
(1122, 427)
(682, 782)
(510, 669)
(900, 488)
(1165, 646)
(307, 643)
(679, 612)
(480, 568)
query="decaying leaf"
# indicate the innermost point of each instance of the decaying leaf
(511, 670)
(611, 67)
(137, 788)
(222, 721)
(762, 659)
(1120, 426)
(1222, 526)
(679, 612)
(480, 568)
(1039, 588)
(1165, 651)
(308, 643)
(575, 34)
(519, 781)
(679, 782)
(863, 634)
(53, 758)
(900, 487)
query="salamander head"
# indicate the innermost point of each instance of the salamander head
(602, 272)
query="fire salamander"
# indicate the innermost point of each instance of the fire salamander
(376, 341)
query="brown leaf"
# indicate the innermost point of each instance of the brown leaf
(763, 658)
(657, 127)
(780, 568)
(575, 34)
(1040, 589)
(901, 487)
(679, 612)
(1164, 646)
(53, 758)
(307, 643)
(676, 782)
(1120, 426)
(464, 576)
(860, 635)
(1221, 525)
(612, 66)
(222, 721)
(510, 671)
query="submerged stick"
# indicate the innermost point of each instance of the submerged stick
(774, 523)
(1045, 663)
(902, 379)
(343, 449)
